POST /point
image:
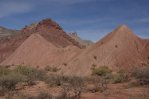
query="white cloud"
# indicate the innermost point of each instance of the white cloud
(72, 2)
(143, 20)
(11, 8)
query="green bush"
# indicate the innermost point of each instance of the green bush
(31, 73)
(9, 78)
(8, 82)
(27, 71)
(73, 84)
(38, 75)
(119, 78)
(4, 71)
(74, 81)
(55, 80)
(133, 84)
(101, 71)
(24, 70)
(142, 74)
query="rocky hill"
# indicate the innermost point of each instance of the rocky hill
(38, 52)
(120, 49)
(4, 32)
(80, 40)
(47, 28)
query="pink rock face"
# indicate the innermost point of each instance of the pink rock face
(37, 51)
(47, 28)
(120, 49)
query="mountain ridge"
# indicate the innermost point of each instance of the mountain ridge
(54, 34)
(116, 50)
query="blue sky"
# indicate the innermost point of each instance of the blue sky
(91, 19)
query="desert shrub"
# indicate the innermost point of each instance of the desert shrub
(72, 86)
(100, 83)
(31, 73)
(8, 82)
(133, 84)
(9, 78)
(71, 82)
(38, 75)
(54, 80)
(52, 69)
(101, 71)
(142, 74)
(58, 80)
(76, 85)
(74, 81)
(24, 70)
(119, 77)
(4, 71)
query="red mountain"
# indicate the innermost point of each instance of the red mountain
(47, 28)
(120, 49)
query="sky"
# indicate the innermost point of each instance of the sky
(91, 19)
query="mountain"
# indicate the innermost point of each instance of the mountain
(47, 28)
(4, 32)
(86, 43)
(36, 51)
(51, 31)
(120, 49)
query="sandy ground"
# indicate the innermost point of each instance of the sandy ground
(114, 91)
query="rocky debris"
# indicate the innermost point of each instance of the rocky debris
(86, 43)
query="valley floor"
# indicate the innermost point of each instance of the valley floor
(114, 91)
